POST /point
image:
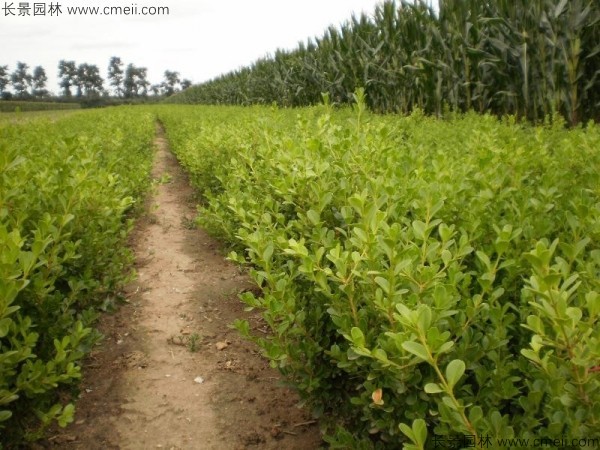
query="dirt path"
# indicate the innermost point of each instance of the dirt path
(171, 373)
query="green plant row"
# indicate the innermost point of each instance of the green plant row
(529, 59)
(421, 278)
(67, 193)
(14, 106)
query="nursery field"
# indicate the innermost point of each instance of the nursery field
(67, 189)
(423, 280)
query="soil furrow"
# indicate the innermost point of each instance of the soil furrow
(171, 373)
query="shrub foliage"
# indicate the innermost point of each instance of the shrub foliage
(66, 189)
(420, 277)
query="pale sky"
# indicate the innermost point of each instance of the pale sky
(199, 39)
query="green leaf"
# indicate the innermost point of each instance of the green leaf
(475, 414)
(449, 403)
(380, 354)
(445, 347)
(530, 355)
(419, 229)
(433, 388)
(484, 259)
(416, 349)
(266, 256)
(424, 318)
(357, 203)
(385, 285)
(575, 314)
(7, 396)
(445, 232)
(358, 338)
(535, 324)
(67, 415)
(446, 257)
(420, 430)
(454, 371)
(355, 352)
(4, 326)
(14, 163)
(5, 415)
(417, 434)
(361, 234)
(559, 8)
(66, 219)
(408, 432)
(313, 216)
(592, 300)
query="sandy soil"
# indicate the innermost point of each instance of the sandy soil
(171, 372)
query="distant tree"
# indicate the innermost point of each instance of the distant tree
(21, 80)
(185, 83)
(115, 75)
(135, 83)
(156, 89)
(142, 81)
(89, 81)
(129, 86)
(38, 82)
(67, 72)
(4, 80)
(171, 82)
(78, 79)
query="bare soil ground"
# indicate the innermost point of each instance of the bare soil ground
(171, 373)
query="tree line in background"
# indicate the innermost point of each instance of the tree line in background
(84, 81)
(531, 59)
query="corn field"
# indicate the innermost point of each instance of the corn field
(530, 59)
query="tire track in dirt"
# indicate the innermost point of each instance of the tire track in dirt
(171, 373)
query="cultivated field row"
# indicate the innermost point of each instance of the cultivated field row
(421, 278)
